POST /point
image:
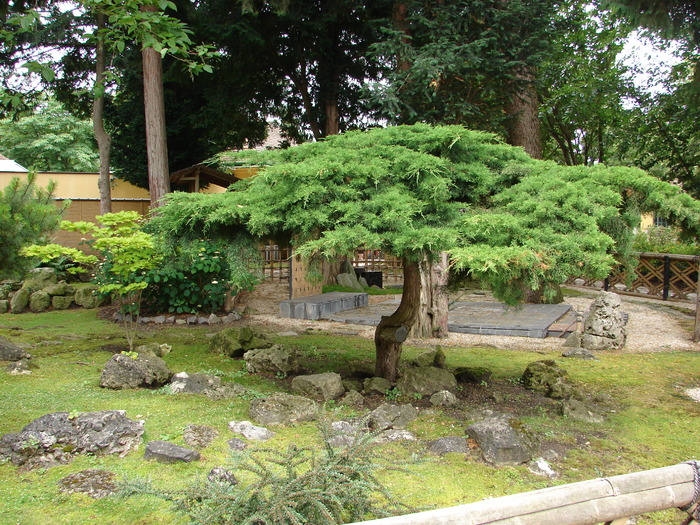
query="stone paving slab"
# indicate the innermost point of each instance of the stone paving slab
(322, 306)
(528, 320)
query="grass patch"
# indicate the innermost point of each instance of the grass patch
(649, 422)
(328, 288)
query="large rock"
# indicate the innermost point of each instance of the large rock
(473, 374)
(503, 441)
(87, 297)
(60, 288)
(604, 325)
(62, 302)
(319, 386)
(349, 280)
(4, 306)
(274, 360)
(165, 452)
(282, 409)
(54, 438)
(376, 385)
(10, 351)
(39, 301)
(426, 381)
(449, 445)
(39, 278)
(249, 431)
(544, 377)
(156, 349)
(388, 416)
(184, 383)
(19, 301)
(434, 358)
(143, 371)
(235, 342)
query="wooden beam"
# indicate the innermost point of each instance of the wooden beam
(585, 503)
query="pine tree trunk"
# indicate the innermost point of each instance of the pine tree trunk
(523, 111)
(433, 312)
(104, 141)
(154, 105)
(394, 329)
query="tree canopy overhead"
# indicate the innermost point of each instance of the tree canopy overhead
(414, 191)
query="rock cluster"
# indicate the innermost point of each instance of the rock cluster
(41, 290)
(55, 438)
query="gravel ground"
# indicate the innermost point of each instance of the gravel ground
(653, 326)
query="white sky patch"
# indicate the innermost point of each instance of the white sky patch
(650, 61)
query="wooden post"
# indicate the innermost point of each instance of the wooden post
(585, 503)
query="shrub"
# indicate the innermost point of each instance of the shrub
(293, 487)
(663, 239)
(196, 274)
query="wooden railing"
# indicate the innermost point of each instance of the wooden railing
(606, 500)
(658, 275)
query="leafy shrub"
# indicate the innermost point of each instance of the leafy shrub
(292, 487)
(663, 239)
(196, 274)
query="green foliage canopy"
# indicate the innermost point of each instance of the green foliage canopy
(412, 190)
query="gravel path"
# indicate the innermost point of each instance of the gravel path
(653, 326)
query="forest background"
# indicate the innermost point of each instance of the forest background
(548, 76)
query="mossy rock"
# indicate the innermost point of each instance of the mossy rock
(542, 376)
(477, 375)
(39, 301)
(236, 341)
(19, 301)
(62, 302)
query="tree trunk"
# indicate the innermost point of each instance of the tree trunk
(154, 105)
(104, 141)
(432, 314)
(394, 329)
(523, 110)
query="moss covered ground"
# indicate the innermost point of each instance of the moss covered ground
(649, 421)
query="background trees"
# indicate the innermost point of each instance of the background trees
(51, 139)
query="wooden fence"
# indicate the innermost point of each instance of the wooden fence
(378, 261)
(275, 262)
(659, 275)
(608, 500)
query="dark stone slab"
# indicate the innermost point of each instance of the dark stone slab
(322, 306)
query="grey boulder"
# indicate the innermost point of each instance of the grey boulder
(144, 371)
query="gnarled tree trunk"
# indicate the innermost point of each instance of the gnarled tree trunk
(524, 123)
(433, 311)
(393, 330)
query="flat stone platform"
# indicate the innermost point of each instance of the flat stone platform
(322, 306)
(528, 320)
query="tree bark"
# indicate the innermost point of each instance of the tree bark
(154, 105)
(523, 110)
(104, 140)
(393, 330)
(432, 315)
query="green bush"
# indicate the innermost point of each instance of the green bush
(195, 275)
(663, 239)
